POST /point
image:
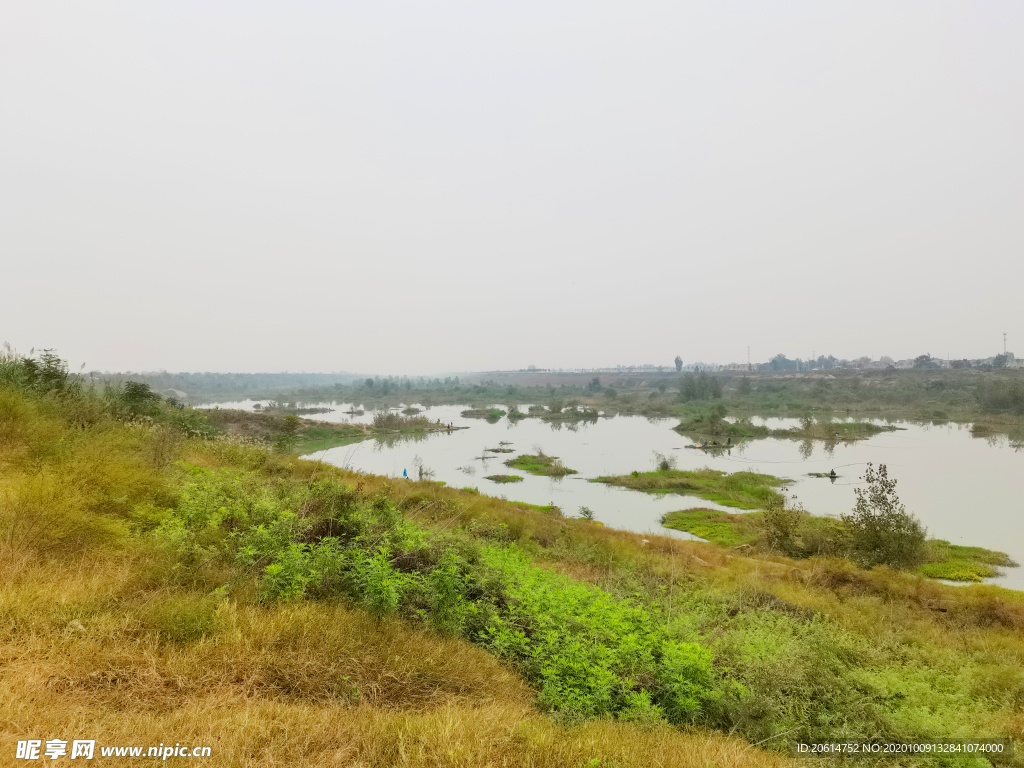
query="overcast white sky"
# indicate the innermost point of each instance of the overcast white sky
(419, 187)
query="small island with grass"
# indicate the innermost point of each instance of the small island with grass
(712, 426)
(722, 528)
(955, 562)
(287, 432)
(877, 532)
(540, 464)
(505, 478)
(489, 414)
(742, 490)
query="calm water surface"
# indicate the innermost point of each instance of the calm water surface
(964, 489)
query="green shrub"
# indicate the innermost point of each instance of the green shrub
(882, 532)
(585, 649)
(448, 604)
(382, 586)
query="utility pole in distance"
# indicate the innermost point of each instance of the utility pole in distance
(1004, 342)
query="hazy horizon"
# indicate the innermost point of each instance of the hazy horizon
(389, 188)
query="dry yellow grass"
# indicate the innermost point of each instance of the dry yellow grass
(278, 685)
(260, 733)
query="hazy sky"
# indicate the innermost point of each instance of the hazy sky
(419, 187)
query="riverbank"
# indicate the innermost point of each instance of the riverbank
(170, 582)
(818, 536)
(967, 395)
(305, 436)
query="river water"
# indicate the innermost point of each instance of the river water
(964, 489)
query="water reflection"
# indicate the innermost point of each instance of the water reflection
(385, 441)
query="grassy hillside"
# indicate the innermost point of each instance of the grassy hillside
(161, 582)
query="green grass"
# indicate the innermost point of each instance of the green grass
(505, 478)
(976, 554)
(957, 570)
(742, 490)
(721, 528)
(543, 508)
(540, 464)
(956, 562)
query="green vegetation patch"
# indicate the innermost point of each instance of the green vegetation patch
(586, 650)
(572, 413)
(313, 439)
(742, 490)
(959, 563)
(540, 464)
(958, 570)
(390, 421)
(490, 414)
(823, 428)
(505, 478)
(722, 528)
(702, 425)
(544, 508)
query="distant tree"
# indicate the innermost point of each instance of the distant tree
(699, 386)
(369, 383)
(138, 397)
(1002, 394)
(960, 364)
(285, 440)
(926, 361)
(594, 385)
(781, 363)
(1000, 361)
(679, 364)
